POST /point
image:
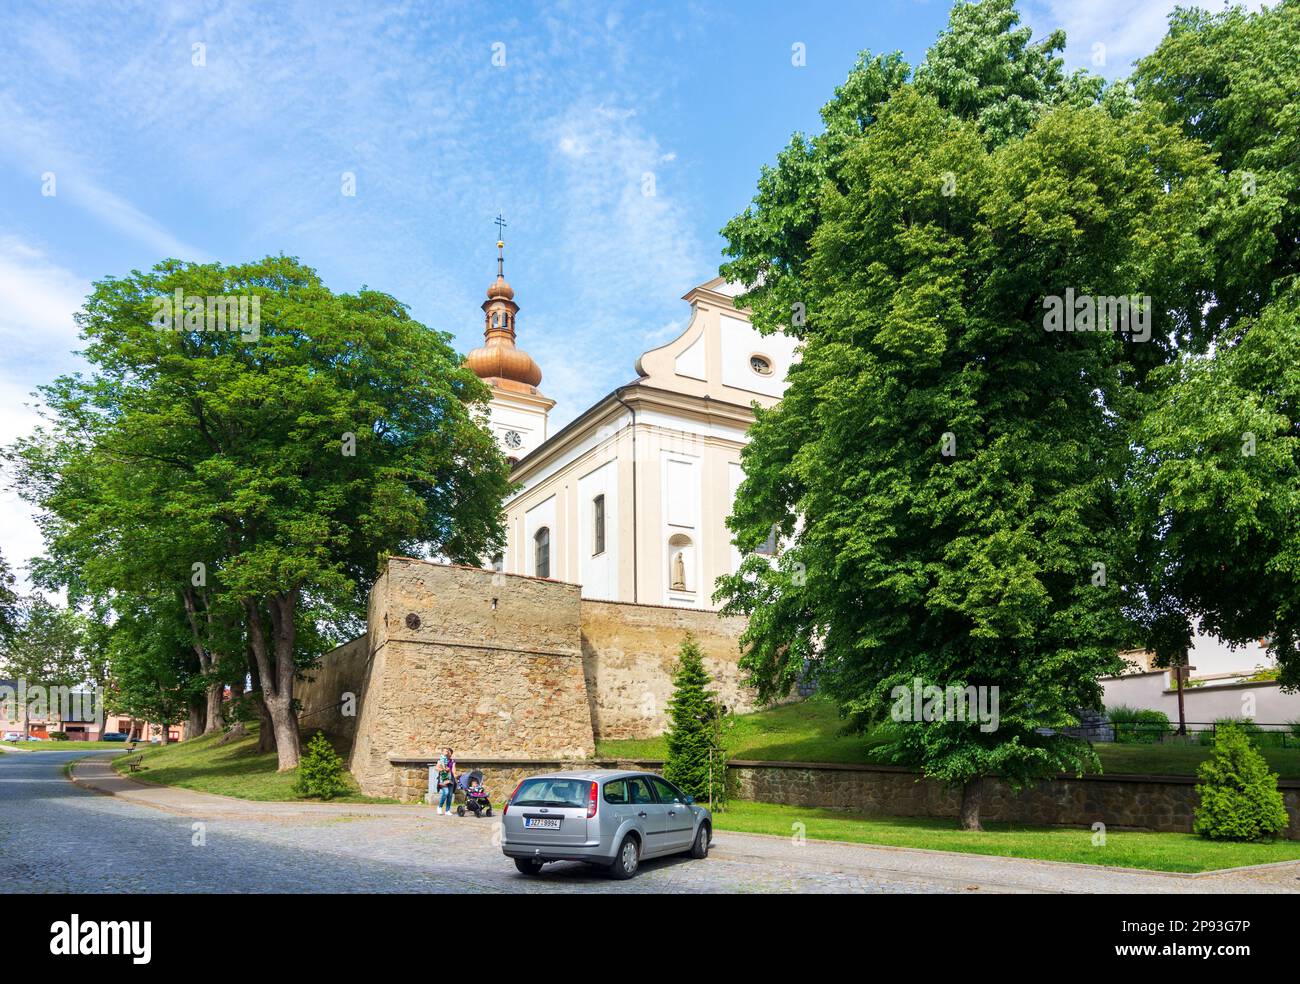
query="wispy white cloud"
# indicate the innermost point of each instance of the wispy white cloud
(60, 174)
(1108, 36)
(242, 155)
(37, 335)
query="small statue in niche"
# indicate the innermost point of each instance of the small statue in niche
(679, 572)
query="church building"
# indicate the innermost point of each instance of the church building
(630, 499)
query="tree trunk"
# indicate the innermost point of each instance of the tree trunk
(215, 718)
(972, 799)
(274, 658)
(285, 724)
(194, 726)
(266, 732)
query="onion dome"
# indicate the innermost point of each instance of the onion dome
(498, 360)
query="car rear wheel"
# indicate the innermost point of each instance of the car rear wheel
(626, 859)
(700, 849)
(528, 866)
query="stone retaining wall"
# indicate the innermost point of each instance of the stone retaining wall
(323, 691)
(1163, 803)
(1160, 803)
(628, 656)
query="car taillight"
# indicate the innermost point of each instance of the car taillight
(591, 802)
(511, 799)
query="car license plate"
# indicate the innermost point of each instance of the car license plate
(542, 823)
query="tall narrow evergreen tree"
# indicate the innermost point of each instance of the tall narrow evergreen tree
(696, 759)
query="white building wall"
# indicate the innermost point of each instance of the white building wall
(598, 573)
(541, 515)
(741, 341)
(735, 475)
(1262, 702)
(528, 423)
(681, 529)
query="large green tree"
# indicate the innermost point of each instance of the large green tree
(1220, 483)
(984, 68)
(263, 474)
(1217, 480)
(944, 471)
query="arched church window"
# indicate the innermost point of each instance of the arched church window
(498, 562)
(598, 525)
(542, 552)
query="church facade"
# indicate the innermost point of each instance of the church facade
(629, 500)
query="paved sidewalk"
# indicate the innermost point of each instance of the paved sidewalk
(414, 836)
(98, 774)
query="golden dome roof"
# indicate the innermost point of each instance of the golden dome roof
(500, 289)
(499, 359)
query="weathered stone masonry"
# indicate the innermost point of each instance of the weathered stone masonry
(503, 666)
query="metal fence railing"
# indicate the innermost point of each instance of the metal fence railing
(1263, 733)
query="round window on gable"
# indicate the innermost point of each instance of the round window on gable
(761, 364)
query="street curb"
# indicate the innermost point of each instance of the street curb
(930, 852)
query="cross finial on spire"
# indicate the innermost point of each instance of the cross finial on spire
(500, 221)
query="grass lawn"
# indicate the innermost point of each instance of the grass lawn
(65, 746)
(810, 732)
(232, 769)
(1126, 849)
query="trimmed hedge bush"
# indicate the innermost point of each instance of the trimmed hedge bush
(1239, 796)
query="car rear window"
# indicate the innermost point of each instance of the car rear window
(553, 792)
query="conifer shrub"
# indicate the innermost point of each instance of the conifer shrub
(697, 759)
(321, 773)
(1239, 796)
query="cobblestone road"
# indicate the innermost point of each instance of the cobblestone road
(57, 837)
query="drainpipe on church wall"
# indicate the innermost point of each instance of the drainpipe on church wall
(636, 598)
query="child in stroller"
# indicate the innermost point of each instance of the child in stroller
(476, 797)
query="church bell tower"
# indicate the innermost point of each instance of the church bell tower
(518, 412)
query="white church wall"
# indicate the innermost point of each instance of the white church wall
(542, 516)
(691, 362)
(735, 475)
(681, 528)
(740, 342)
(598, 572)
(529, 424)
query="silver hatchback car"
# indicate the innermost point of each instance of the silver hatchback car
(603, 817)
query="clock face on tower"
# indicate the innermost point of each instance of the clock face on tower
(513, 439)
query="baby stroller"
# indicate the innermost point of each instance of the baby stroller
(476, 800)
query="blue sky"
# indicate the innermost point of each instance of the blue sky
(242, 156)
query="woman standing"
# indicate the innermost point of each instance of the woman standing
(446, 781)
